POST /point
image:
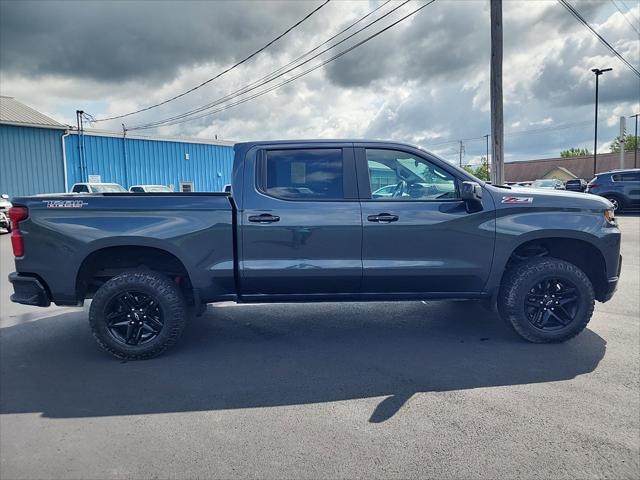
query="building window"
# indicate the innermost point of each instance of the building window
(186, 187)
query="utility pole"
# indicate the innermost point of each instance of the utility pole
(497, 125)
(597, 72)
(635, 150)
(460, 152)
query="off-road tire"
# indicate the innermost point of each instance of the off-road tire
(157, 286)
(518, 281)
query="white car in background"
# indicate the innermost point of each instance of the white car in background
(548, 183)
(97, 188)
(5, 205)
(149, 189)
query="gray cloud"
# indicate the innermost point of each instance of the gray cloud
(424, 81)
(116, 41)
(428, 49)
(559, 85)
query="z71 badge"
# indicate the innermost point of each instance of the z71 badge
(517, 199)
(65, 203)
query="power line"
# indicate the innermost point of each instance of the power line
(302, 74)
(274, 87)
(581, 19)
(325, 42)
(266, 79)
(550, 128)
(272, 76)
(306, 17)
(625, 17)
(630, 11)
(517, 133)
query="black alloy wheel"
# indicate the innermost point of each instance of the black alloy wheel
(552, 304)
(134, 318)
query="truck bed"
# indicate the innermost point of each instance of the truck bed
(196, 228)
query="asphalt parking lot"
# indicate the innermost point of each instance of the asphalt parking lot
(334, 390)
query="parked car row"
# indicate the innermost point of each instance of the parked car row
(620, 187)
(89, 187)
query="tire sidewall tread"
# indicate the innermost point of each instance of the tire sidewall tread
(516, 284)
(158, 286)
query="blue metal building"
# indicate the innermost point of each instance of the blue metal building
(40, 155)
(31, 157)
(187, 164)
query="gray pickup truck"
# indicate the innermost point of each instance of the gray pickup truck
(313, 221)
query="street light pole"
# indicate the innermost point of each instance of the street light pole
(486, 158)
(597, 72)
(635, 150)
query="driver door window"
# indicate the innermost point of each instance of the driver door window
(396, 175)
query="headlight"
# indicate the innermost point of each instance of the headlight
(610, 217)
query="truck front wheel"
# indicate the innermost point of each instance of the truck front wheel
(137, 315)
(546, 300)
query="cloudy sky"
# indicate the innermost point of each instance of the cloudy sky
(424, 81)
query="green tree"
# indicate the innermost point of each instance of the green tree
(481, 171)
(630, 144)
(574, 152)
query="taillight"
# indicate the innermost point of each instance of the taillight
(16, 215)
(593, 185)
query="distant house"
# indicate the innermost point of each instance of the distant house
(564, 168)
(559, 173)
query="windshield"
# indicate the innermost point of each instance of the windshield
(107, 188)
(156, 188)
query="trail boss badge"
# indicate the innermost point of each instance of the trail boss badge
(65, 203)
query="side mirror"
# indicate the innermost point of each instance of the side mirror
(472, 196)
(5, 196)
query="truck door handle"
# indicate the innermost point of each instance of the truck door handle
(383, 218)
(264, 218)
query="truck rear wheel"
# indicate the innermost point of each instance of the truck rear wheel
(546, 300)
(137, 315)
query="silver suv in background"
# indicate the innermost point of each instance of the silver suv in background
(620, 187)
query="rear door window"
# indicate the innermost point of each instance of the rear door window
(303, 174)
